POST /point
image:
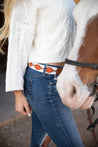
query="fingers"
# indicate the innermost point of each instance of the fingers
(22, 111)
(22, 106)
(28, 109)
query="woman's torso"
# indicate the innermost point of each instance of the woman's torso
(54, 31)
(41, 31)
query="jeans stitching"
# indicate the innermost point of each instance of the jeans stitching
(61, 122)
(39, 133)
(28, 93)
(51, 86)
(37, 137)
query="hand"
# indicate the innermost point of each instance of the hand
(21, 104)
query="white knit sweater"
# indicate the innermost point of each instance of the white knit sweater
(40, 31)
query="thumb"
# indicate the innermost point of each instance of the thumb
(27, 109)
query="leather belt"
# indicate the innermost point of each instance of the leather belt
(49, 69)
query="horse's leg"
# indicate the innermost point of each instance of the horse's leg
(91, 122)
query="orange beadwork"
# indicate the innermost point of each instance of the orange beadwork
(49, 69)
(38, 67)
(31, 64)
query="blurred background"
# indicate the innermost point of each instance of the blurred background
(15, 129)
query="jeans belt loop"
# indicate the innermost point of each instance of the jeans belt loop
(44, 70)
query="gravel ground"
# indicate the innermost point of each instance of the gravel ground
(17, 132)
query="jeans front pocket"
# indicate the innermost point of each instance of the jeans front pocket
(28, 88)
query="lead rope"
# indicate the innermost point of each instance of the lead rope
(91, 122)
(92, 125)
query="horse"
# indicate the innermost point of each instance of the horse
(73, 82)
(77, 84)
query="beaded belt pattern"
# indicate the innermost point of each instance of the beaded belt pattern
(49, 69)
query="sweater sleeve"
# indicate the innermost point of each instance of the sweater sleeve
(22, 30)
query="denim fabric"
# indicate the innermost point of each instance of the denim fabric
(49, 114)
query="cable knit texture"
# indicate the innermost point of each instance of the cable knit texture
(41, 31)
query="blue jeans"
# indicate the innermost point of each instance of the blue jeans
(49, 114)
